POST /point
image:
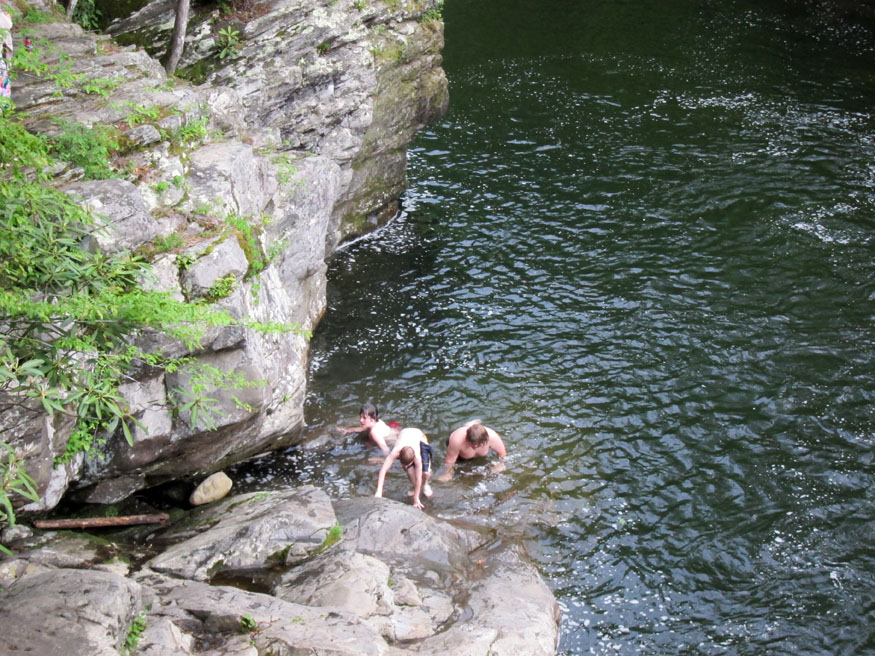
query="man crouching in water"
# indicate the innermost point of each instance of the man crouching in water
(414, 451)
(473, 440)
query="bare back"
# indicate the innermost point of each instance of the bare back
(462, 448)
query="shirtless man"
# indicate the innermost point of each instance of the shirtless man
(414, 452)
(377, 429)
(473, 440)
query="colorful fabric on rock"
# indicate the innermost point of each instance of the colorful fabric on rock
(5, 53)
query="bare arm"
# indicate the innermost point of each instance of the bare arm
(450, 458)
(381, 477)
(497, 445)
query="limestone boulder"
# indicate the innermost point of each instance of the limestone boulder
(354, 582)
(315, 123)
(123, 220)
(215, 487)
(509, 608)
(410, 540)
(210, 261)
(229, 178)
(384, 589)
(69, 611)
(241, 622)
(248, 532)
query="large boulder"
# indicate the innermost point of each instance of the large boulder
(251, 531)
(69, 611)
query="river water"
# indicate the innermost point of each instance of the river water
(640, 246)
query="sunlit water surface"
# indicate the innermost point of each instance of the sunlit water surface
(640, 246)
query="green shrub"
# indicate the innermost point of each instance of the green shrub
(247, 624)
(90, 148)
(135, 632)
(13, 481)
(228, 42)
(433, 15)
(87, 15)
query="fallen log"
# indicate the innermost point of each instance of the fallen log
(92, 522)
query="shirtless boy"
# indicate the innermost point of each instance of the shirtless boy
(473, 440)
(377, 429)
(414, 452)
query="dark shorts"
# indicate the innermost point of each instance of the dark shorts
(426, 453)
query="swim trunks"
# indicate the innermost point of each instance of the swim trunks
(426, 453)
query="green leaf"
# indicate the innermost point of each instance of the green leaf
(127, 432)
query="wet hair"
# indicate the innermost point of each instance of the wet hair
(369, 410)
(477, 435)
(406, 456)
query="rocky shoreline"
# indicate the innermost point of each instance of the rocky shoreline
(283, 572)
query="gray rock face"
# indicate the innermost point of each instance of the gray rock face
(69, 611)
(128, 223)
(350, 81)
(397, 583)
(293, 143)
(261, 530)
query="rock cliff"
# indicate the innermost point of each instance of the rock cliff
(291, 139)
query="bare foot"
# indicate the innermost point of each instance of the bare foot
(426, 489)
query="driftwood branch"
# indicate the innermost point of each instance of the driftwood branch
(92, 522)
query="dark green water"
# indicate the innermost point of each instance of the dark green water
(640, 246)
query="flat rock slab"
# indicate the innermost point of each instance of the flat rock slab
(249, 531)
(407, 538)
(271, 625)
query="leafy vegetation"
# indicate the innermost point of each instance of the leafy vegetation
(34, 61)
(192, 401)
(435, 14)
(222, 288)
(37, 17)
(247, 624)
(13, 481)
(87, 14)
(141, 114)
(229, 41)
(332, 537)
(168, 243)
(247, 233)
(90, 148)
(135, 632)
(192, 132)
